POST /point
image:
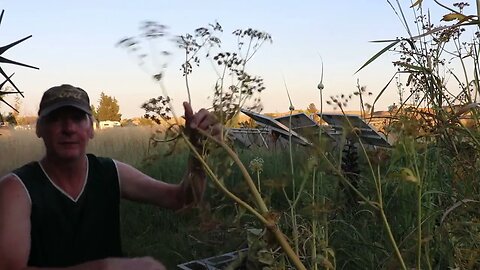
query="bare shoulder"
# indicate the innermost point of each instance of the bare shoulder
(13, 194)
(127, 173)
(11, 184)
(8, 178)
(124, 167)
(129, 178)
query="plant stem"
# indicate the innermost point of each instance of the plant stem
(324, 221)
(294, 190)
(347, 182)
(258, 182)
(217, 182)
(392, 239)
(419, 224)
(478, 8)
(186, 78)
(314, 244)
(314, 225)
(250, 183)
(270, 224)
(378, 185)
(419, 210)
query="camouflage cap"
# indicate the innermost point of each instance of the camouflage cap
(63, 96)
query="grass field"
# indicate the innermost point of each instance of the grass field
(128, 144)
(349, 233)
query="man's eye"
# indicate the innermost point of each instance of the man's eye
(78, 117)
(54, 117)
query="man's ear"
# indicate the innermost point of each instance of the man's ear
(38, 128)
(91, 132)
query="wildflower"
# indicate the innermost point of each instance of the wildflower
(256, 165)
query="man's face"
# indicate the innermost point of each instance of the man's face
(65, 132)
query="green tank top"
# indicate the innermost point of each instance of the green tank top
(65, 232)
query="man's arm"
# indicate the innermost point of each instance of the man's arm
(137, 186)
(15, 207)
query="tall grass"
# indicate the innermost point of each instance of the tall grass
(17, 148)
(129, 144)
(355, 233)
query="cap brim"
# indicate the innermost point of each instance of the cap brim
(59, 105)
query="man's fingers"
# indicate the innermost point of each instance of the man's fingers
(204, 119)
(188, 110)
(189, 114)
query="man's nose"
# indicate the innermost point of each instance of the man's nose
(68, 125)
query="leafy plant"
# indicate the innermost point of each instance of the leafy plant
(411, 205)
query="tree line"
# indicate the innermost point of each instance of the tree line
(107, 109)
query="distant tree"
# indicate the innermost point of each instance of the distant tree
(26, 120)
(312, 112)
(108, 109)
(311, 109)
(393, 108)
(10, 119)
(142, 121)
(249, 123)
(127, 123)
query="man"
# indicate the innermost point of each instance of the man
(62, 212)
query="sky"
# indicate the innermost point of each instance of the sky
(74, 42)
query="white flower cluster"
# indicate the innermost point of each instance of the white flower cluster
(256, 165)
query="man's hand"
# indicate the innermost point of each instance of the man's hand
(203, 120)
(194, 181)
